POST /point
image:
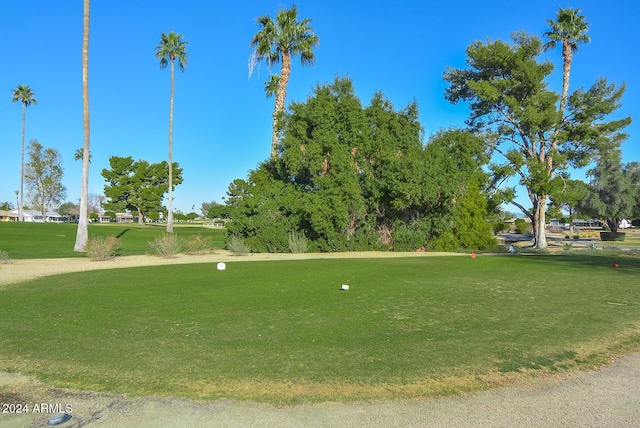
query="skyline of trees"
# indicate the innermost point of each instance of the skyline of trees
(569, 29)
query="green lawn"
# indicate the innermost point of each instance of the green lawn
(284, 332)
(45, 240)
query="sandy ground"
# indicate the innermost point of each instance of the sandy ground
(606, 398)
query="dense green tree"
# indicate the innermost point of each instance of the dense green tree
(68, 210)
(516, 112)
(170, 49)
(24, 95)
(353, 177)
(612, 193)
(137, 186)
(43, 176)
(276, 42)
(82, 234)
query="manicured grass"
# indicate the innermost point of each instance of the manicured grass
(284, 332)
(46, 240)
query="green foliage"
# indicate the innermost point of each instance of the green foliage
(103, 248)
(510, 102)
(522, 227)
(353, 177)
(43, 177)
(137, 186)
(167, 245)
(237, 245)
(613, 191)
(298, 243)
(471, 229)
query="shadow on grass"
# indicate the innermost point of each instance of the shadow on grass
(122, 233)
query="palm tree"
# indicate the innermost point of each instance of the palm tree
(171, 48)
(79, 154)
(570, 29)
(277, 41)
(23, 94)
(82, 235)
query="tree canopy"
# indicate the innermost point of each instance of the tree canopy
(613, 191)
(43, 176)
(352, 177)
(515, 112)
(137, 186)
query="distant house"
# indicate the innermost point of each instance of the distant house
(587, 223)
(33, 216)
(124, 218)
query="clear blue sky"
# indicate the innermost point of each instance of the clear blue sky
(222, 119)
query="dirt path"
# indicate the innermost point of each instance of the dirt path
(605, 398)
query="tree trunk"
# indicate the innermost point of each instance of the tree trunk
(567, 57)
(20, 210)
(170, 214)
(541, 223)
(140, 217)
(281, 93)
(82, 235)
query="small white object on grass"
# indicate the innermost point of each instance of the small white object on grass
(221, 266)
(345, 287)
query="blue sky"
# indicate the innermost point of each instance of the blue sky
(222, 118)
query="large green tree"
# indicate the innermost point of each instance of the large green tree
(353, 177)
(512, 107)
(171, 48)
(43, 176)
(276, 42)
(612, 192)
(26, 97)
(137, 186)
(82, 234)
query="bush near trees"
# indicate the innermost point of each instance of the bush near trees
(351, 177)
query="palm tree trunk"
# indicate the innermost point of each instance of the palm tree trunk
(170, 214)
(281, 93)
(567, 57)
(82, 235)
(24, 118)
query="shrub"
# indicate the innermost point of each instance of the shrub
(298, 243)
(500, 227)
(103, 248)
(567, 246)
(237, 246)
(197, 245)
(167, 245)
(4, 258)
(522, 227)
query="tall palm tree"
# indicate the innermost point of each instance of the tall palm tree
(570, 29)
(277, 41)
(23, 94)
(82, 235)
(170, 49)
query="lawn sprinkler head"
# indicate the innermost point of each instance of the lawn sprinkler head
(221, 266)
(58, 419)
(473, 255)
(344, 287)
